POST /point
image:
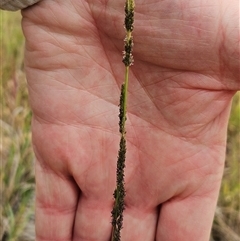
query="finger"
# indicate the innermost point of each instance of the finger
(93, 220)
(56, 202)
(139, 224)
(187, 219)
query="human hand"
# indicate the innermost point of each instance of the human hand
(185, 73)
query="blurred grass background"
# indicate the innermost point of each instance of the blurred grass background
(17, 172)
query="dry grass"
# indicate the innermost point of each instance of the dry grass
(16, 173)
(226, 226)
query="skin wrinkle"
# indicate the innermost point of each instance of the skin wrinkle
(112, 69)
(44, 164)
(145, 90)
(147, 121)
(86, 104)
(81, 120)
(215, 179)
(152, 99)
(47, 169)
(216, 86)
(79, 82)
(63, 47)
(81, 20)
(184, 157)
(54, 209)
(41, 238)
(95, 86)
(151, 35)
(83, 126)
(189, 190)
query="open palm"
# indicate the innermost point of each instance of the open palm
(184, 75)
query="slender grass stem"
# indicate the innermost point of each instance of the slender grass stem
(119, 193)
(125, 94)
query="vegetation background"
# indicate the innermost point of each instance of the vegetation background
(17, 159)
